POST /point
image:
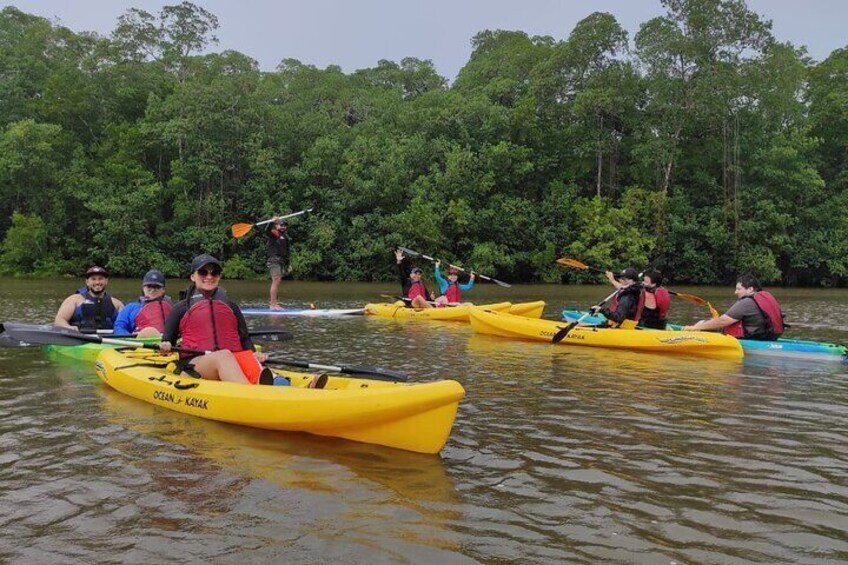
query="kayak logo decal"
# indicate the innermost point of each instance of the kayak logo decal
(100, 370)
(682, 339)
(173, 398)
(178, 384)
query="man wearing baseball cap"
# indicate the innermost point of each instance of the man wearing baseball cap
(91, 308)
(146, 316)
(625, 304)
(279, 257)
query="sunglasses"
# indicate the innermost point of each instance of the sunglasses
(154, 287)
(209, 272)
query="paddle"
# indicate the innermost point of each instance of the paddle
(376, 373)
(26, 334)
(412, 253)
(560, 335)
(241, 230)
(451, 304)
(691, 298)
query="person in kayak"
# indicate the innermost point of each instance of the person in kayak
(207, 320)
(625, 303)
(413, 290)
(91, 308)
(279, 257)
(654, 301)
(451, 290)
(755, 315)
(146, 316)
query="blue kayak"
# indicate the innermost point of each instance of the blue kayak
(309, 312)
(794, 348)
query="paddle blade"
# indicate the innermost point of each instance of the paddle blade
(47, 335)
(241, 230)
(409, 252)
(560, 335)
(569, 262)
(501, 283)
(713, 312)
(691, 298)
(271, 334)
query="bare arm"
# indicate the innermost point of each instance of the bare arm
(712, 323)
(66, 312)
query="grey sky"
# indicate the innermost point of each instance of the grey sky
(355, 34)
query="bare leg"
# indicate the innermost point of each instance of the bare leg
(148, 332)
(275, 287)
(219, 366)
(420, 302)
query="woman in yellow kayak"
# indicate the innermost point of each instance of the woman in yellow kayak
(207, 320)
(451, 289)
(414, 292)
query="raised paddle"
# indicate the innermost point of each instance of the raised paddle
(691, 298)
(376, 373)
(241, 230)
(412, 253)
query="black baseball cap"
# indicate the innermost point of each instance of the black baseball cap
(96, 270)
(154, 277)
(204, 259)
(416, 270)
(629, 273)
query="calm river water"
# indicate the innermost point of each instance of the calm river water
(558, 454)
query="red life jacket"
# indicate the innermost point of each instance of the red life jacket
(210, 325)
(417, 289)
(663, 300)
(632, 289)
(153, 314)
(453, 293)
(772, 319)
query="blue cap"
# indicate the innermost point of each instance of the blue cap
(154, 277)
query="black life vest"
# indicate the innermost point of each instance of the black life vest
(94, 312)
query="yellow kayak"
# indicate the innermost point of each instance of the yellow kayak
(452, 313)
(411, 416)
(705, 344)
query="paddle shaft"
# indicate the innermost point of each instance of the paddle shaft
(287, 216)
(484, 277)
(376, 372)
(561, 334)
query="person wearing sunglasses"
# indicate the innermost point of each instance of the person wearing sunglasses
(146, 317)
(208, 321)
(91, 308)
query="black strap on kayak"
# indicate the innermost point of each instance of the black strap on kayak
(160, 365)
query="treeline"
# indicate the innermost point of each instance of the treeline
(703, 139)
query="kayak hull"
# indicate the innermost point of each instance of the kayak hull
(699, 344)
(788, 348)
(305, 312)
(415, 417)
(451, 313)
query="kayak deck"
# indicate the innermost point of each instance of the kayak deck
(415, 417)
(308, 312)
(689, 343)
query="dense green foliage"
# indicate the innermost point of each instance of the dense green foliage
(704, 140)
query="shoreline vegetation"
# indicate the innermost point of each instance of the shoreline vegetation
(702, 139)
